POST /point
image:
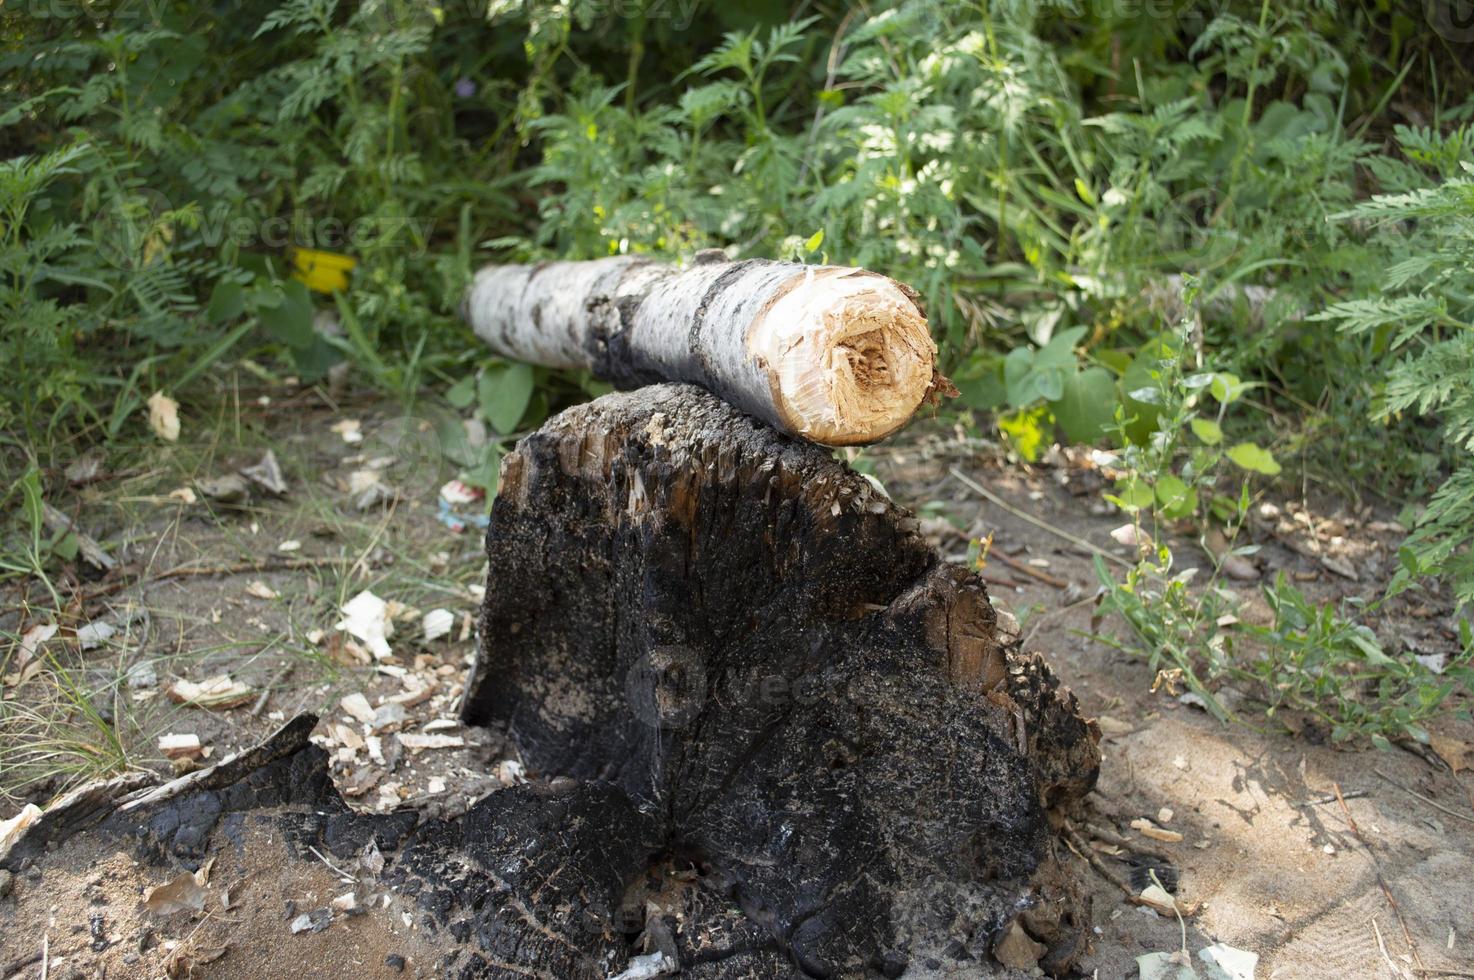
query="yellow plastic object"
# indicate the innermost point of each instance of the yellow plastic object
(322, 272)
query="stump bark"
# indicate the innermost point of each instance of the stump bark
(749, 639)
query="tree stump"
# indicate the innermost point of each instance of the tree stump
(748, 639)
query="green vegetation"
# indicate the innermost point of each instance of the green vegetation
(1223, 240)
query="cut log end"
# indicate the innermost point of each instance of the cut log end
(850, 355)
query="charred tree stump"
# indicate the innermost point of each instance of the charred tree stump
(750, 640)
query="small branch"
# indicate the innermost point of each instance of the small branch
(281, 675)
(1377, 867)
(1433, 803)
(1030, 570)
(1040, 523)
(190, 571)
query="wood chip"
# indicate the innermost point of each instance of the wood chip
(418, 742)
(12, 829)
(219, 691)
(181, 746)
(1146, 828)
(261, 590)
(358, 707)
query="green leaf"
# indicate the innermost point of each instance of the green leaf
(1060, 351)
(815, 240)
(1227, 387)
(504, 392)
(30, 488)
(1083, 189)
(1175, 499)
(463, 392)
(227, 301)
(1143, 415)
(1207, 431)
(1251, 457)
(286, 313)
(1087, 404)
(1018, 376)
(1132, 495)
(981, 386)
(484, 474)
(65, 546)
(313, 361)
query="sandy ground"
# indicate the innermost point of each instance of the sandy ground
(1273, 862)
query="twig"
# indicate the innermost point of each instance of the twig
(1181, 924)
(188, 571)
(1321, 801)
(1040, 523)
(331, 866)
(45, 955)
(1433, 803)
(1377, 868)
(1125, 843)
(1031, 571)
(1006, 583)
(1037, 622)
(281, 675)
(1083, 848)
(1392, 967)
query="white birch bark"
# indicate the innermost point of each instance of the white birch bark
(836, 355)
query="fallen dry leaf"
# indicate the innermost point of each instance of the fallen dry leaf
(183, 960)
(1132, 536)
(350, 430)
(261, 590)
(18, 677)
(183, 894)
(267, 473)
(1156, 897)
(163, 416)
(230, 488)
(32, 641)
(1016, 950)
(1227, 962)
(1454, 751)
(1164, 966)
(1146, 828)
(219, 691)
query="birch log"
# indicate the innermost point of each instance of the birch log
(839, 356)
